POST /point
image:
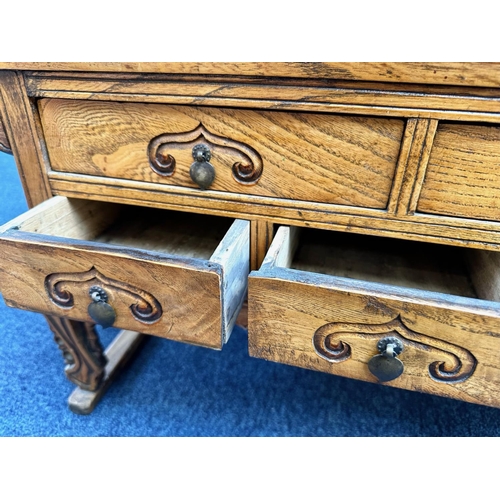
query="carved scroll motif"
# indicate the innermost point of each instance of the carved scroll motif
(246, 163)
(454, 364)
(82, 351)
(144, 307)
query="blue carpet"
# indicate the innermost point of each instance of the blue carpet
(172, 389)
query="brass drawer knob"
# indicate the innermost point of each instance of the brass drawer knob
(202, 172)
(99, 309)
(386, 366)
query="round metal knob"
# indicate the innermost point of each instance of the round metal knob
(99, 309)
(202, 172)
(386, 366)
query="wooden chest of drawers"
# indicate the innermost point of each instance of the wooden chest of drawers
(358, 202)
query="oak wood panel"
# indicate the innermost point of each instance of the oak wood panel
(440, 229)
(196, 299)
(294, 106)
(102, 81)
(454, 73)
(412, 166)
(240, 90)
(317, 157)
(181, 291)
(17, 116)
(287, 307)
(463, 174)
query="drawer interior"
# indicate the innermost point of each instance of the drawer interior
(425, 266)
(178, 233)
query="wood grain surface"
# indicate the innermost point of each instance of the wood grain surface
(306, 95)
(82, 351)
(463, 175)
(315, 157)
(287, 307)
(422, 227)
(412, 165)
(370, 97)
(455, 73)
(4, 140)
(20, 124)
(196, 303)
(405, 150)
(261, 235)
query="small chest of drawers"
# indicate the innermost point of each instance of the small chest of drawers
(359, 204)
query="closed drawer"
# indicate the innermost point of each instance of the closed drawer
(346, 160)
(463, 173)
(340, 304)
(174, 275)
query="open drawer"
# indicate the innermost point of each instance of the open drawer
(175, 275)
(412, 315)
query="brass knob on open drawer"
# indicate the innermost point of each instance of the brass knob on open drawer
(386, 366)
(99, 310)
(202, 172)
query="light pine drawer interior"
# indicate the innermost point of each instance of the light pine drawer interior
(324, 300)
(175, 275)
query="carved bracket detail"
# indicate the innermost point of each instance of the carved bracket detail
(455, 363)
(144, 307)
(82, 351)
(246, 163)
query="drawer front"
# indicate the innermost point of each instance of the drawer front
(346, 160)
(192, 300)
(463, 174)
(450, 344)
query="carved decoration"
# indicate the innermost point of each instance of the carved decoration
(4, 141)
(454, 364)
(82, 351)
(144, 307)
(246, 167)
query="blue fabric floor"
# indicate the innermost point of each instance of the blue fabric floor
(172, 389)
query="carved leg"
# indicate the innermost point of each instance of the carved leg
(119, 352)
(82, 351)
(87, 365)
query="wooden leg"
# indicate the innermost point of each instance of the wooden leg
(82, 351)
(87, 364)
(118, 353)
